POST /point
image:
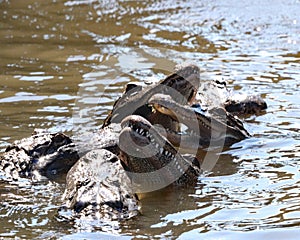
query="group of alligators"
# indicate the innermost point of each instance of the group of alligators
(139, 148)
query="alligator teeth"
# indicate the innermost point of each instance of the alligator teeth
(161, 150)
(142, 132)
(166, 153)
(178, 167)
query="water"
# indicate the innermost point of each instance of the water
(64, 63)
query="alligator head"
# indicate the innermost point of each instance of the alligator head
(150, 159)
(182, 86)
(50, 155)
(245, 104)
(204, 128)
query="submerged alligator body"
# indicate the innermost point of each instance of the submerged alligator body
(130, 154)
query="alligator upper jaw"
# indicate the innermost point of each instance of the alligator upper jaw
(186, 81)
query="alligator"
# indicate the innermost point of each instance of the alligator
(98, 187)
(43, 153)
(216, 94)
(240, 104)
(210, 127)
(103, 183)
(181, 85)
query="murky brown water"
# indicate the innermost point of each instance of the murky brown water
(64, 59)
